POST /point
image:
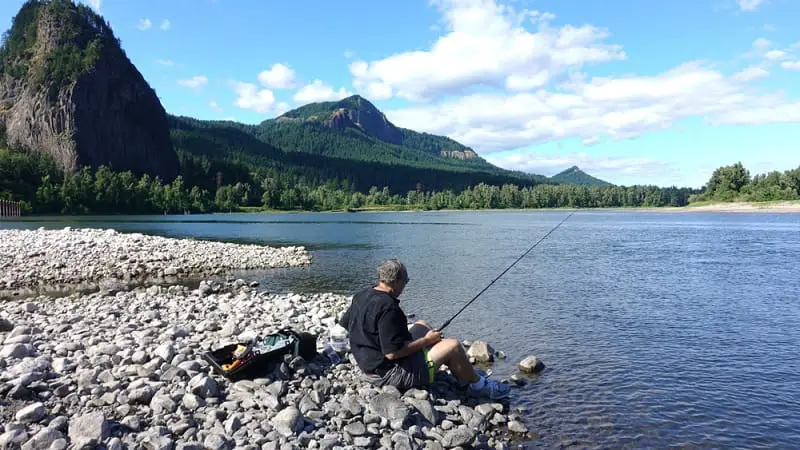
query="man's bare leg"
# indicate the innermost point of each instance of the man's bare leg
(451, 352)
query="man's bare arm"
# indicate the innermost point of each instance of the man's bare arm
(431, 338)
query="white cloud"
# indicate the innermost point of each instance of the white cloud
(775, 55)
(196, 82)
(251, 98)
(775, 113)
(165, 25)
(751, 73)
(547, 98)
(791, 65)
(144, 24)
(750, 5)
(279, 76)
(487, 45)
(590, 141)
(617, 108)
(213, 105)
(319, 91)
(281, 108)
(165, 62)
(761, 44)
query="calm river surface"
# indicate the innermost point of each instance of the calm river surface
(657, 329)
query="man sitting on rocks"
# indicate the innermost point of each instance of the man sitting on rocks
(388, 352)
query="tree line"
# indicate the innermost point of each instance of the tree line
(734, 183)
(42, 188)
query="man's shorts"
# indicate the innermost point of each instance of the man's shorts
(411, 371)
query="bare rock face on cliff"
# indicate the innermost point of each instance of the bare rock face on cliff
(67, 89)
(357, 112)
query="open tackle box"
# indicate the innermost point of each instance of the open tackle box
(262, 355)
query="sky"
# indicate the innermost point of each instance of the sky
(631, 91)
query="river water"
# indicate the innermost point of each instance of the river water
(657, 329)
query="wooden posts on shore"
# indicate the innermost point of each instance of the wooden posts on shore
(10, 209)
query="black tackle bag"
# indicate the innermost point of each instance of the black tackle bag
(262, 355)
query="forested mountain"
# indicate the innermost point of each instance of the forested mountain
(358, 114)
(354, 129)
(68, 90)
(574, 175)
(355, 159)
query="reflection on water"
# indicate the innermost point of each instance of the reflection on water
(657, 329)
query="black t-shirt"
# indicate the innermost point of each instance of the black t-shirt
(376, 326)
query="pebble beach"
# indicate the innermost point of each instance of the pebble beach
(122, 367)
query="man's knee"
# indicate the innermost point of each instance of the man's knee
(452, 345)
(424, 324)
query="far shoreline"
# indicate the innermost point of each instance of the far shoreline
(790, 207)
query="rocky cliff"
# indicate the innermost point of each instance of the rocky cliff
(67, 89)
(357, 112)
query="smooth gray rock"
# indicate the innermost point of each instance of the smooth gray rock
(88, 430)
(61, 444)
(390, 407)
(153, 442)
(141, 396)
(481, 351)
(288, 421)
(531, 365)
(114, 443)
(18, 351)
(161, 404)
(165, 351)
(216, 441)
(189, 446)
(192, 402)
(31, 413)
(13, 439)
(517, 427)
(203, 386)
(43, 439)
(425, 408)
(458, 437)
(355, 429)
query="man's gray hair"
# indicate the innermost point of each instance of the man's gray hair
(392, 270)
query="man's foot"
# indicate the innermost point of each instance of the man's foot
(492, 390)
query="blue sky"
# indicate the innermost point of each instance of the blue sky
(632, 91)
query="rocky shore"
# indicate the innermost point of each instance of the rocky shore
(126, 371)
(124, 368)
(49, 260)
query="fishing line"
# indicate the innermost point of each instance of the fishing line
(504, 272)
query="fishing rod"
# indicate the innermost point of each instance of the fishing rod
(504, 272)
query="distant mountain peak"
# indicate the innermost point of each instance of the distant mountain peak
(574, 175)
(573, 169)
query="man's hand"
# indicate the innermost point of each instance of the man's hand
(432, 337)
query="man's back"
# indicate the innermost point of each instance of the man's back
(376, 326)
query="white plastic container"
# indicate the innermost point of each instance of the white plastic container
(338, 339)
